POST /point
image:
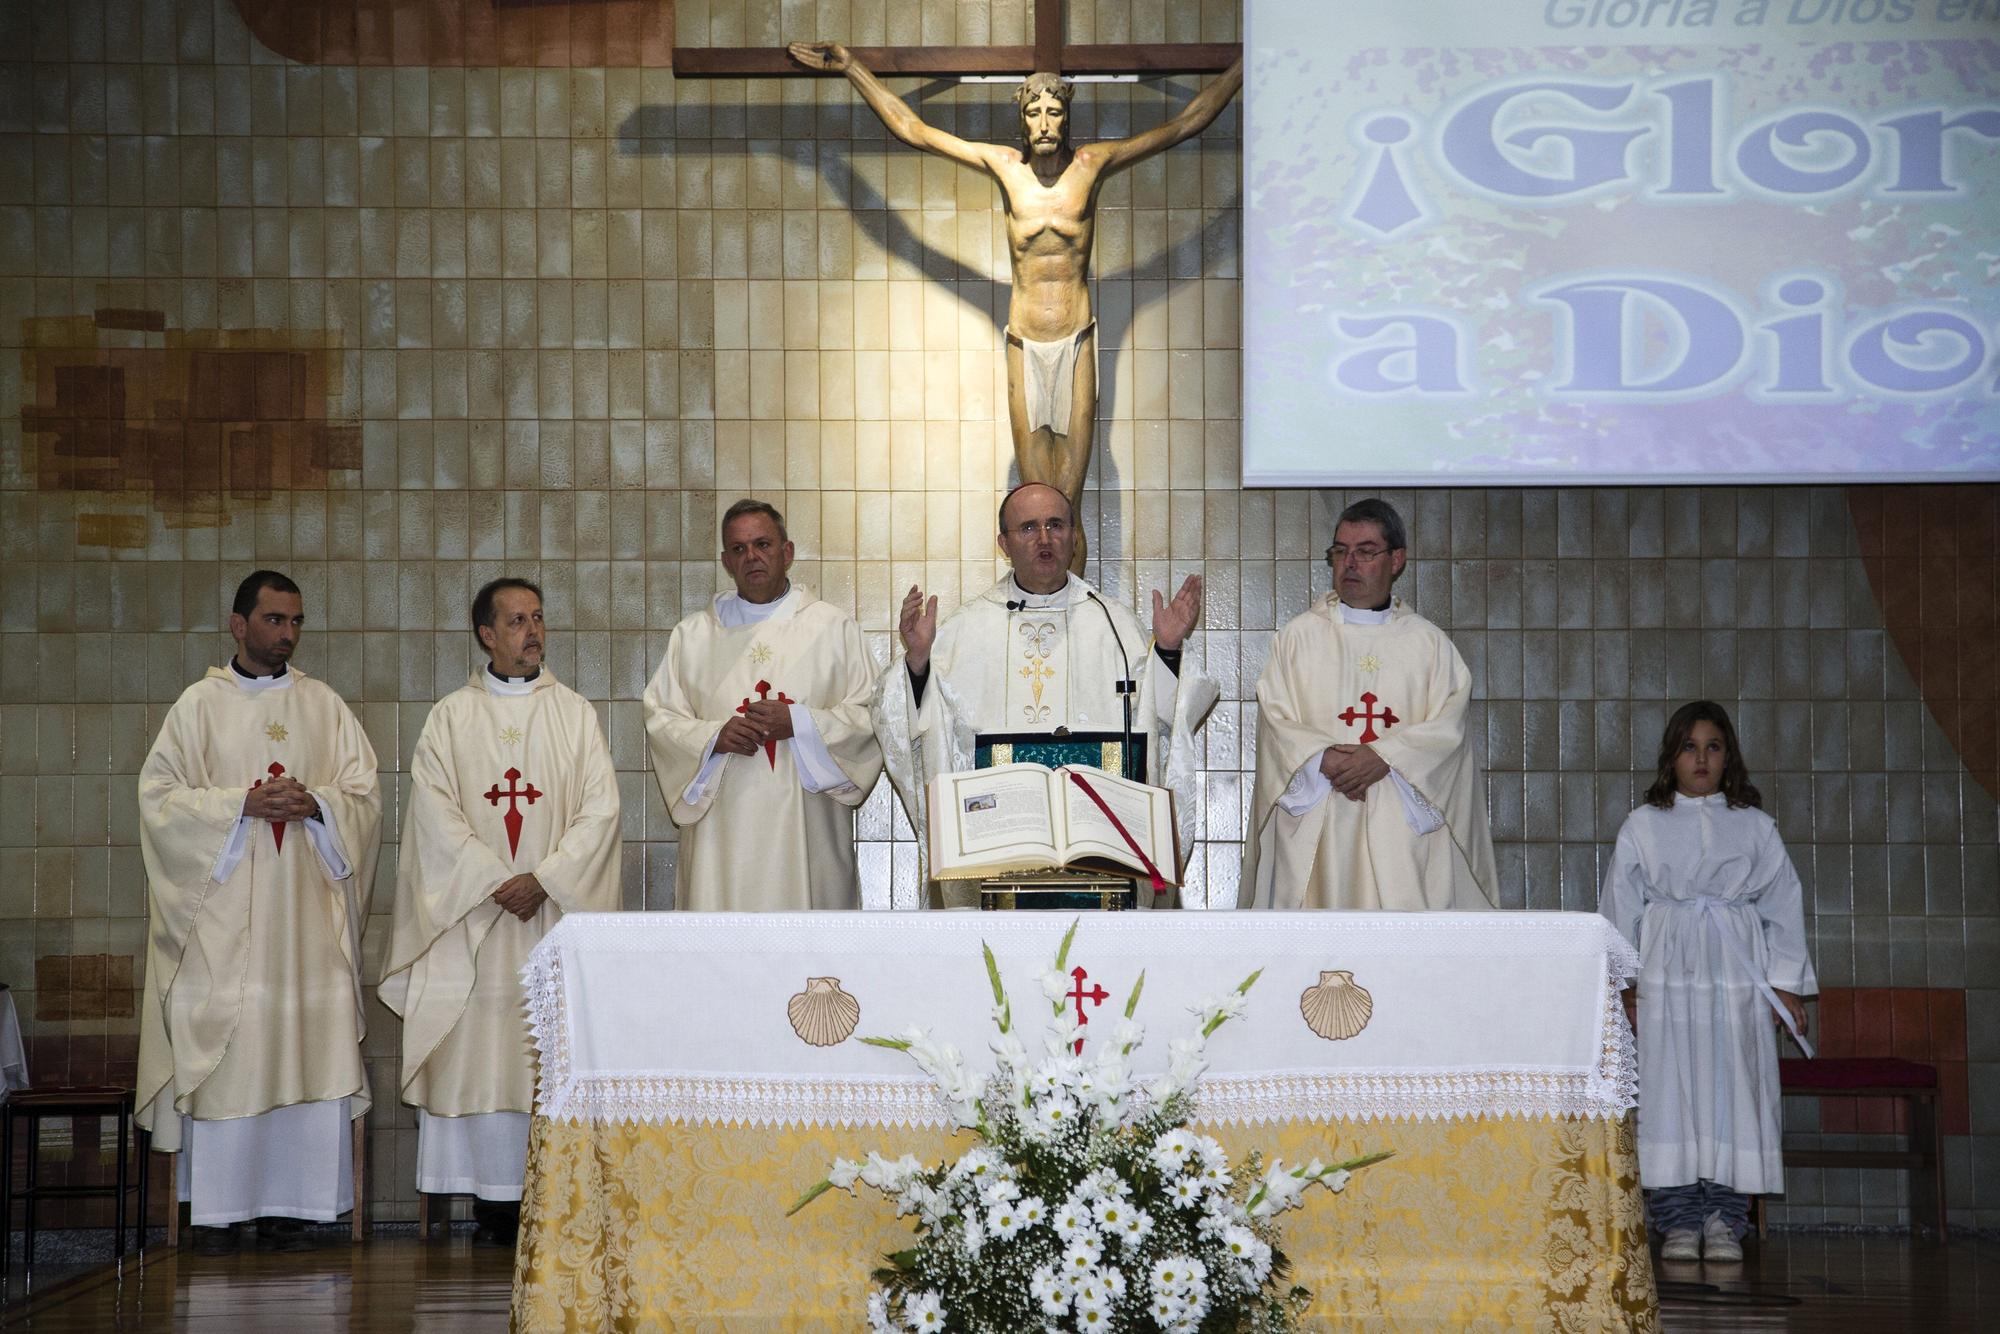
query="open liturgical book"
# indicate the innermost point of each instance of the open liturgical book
(1028, 817)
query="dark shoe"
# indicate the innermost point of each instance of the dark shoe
(214, 1240)
(283, 1234)
(499, 1222)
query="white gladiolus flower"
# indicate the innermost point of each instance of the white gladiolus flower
(1228, 1006)
(975, 1236)
(843, 1173)
(1335, 1181)
(924, 1310)
(1062, 1035)
(1126, 1035)
(878, 1313)
(1013, 1055)
(1055, 985)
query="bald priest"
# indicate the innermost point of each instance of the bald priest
(1038, 654)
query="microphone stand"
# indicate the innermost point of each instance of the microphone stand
(1126, 688)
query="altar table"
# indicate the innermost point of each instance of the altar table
(699, 1071)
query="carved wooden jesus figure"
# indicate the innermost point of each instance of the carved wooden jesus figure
(1049, 191)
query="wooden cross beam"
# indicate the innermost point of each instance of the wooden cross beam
(1048, 53)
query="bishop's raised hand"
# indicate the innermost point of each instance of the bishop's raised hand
(1174, 621)
(918, 628)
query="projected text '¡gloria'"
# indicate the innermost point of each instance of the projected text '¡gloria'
(1546, 141)
(1653, 335)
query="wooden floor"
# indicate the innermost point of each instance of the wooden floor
(1827, 1285)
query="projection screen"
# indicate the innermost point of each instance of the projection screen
(1545, 242)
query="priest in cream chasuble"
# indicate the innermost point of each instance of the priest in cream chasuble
(259, 825)
(512, 822)
(1038, 652)
(758, 723)
(1367, 793)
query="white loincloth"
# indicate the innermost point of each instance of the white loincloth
(1049, 373)
(485, 1154)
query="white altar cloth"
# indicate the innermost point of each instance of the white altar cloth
(685, 1017)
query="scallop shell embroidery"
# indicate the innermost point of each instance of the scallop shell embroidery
(823, 1014)
(1337, 1007)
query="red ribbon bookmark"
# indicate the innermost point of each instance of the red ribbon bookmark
(1159, 884)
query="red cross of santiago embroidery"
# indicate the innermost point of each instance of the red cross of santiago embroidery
(276, 771)
(513, 816)
(1367, 716)
(1097, 995)
(763, 694)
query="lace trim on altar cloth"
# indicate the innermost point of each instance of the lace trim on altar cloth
(1564, 935)
(1606, 1091)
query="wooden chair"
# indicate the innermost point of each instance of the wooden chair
(36, 1104)
(358, 1228)
(1916, 1085)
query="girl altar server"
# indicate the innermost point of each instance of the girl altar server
(1701, 885)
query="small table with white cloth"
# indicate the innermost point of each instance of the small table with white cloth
(13, 1052)
(700, 1071)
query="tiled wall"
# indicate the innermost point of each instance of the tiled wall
(399, 329)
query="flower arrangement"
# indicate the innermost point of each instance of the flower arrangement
(1088, 1204)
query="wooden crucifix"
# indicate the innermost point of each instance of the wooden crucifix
(1049, 191)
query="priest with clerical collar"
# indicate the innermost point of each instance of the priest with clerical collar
(512, 822)
(1368, 795)
(758, 723)
(259, 822)
(1041, 653)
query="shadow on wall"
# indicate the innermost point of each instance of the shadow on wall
(507, 33)
(1932, 553)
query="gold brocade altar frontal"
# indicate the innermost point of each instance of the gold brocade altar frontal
(1515, 1223)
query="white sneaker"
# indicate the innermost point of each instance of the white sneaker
(1718, 1242)
(1683, 1243)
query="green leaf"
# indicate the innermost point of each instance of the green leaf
(811, 1195)
(1062, 955)
(1132, 1001)
(993, 976)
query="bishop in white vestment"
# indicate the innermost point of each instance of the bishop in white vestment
(758, 723)
(259, 825)
(1040, 651)
(512, 822)
(1367, 795)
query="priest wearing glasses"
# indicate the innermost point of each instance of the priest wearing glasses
(1039, 659)
(1367, 794)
